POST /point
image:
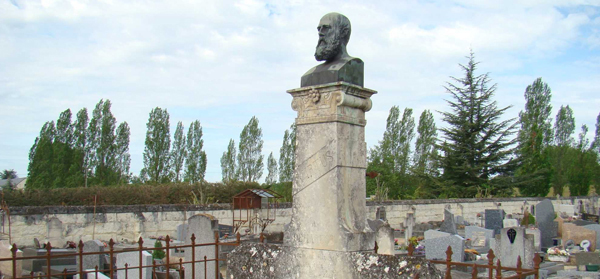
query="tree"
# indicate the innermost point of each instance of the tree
(178, 152)
(78, 171)
(156, 153)
(195, 163)
(123, 159)
(564, 126)
(250, 158)
(62, 149)
(94, 137)
(478, 143)
(228, 165)
(287, 155)
(596, 142)
(425, 152)
(40, 159)
(272, 169)
(107, 169)
(8, 174)
(534, 137)
(406, 135)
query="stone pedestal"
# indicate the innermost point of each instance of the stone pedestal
(329, 209)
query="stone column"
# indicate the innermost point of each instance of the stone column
(329, 209)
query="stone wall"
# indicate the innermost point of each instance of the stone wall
(60, 224)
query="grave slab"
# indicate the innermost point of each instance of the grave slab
(91, 261)
(132, 259)
(436, 248)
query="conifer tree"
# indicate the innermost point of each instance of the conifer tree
(478, 144)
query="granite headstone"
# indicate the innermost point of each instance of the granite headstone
(493, 219)
(448, 225)
(512, 243)
(436, 248)
(544, 216)
(203, 227)
(132, 259)
(92, 261)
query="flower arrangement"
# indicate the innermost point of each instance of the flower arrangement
(557, 255)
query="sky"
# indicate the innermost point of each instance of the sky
(222, 62)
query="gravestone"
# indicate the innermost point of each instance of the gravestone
(596, 228)
(448, 225)
(6, 266)
(512, 243)
(92, 261)
(480, 237)
(225, 229)
(567, 209)
(203, 226)
(537, 241)
(380, 214)
(509, 223)
(431, 234)
(459, 220)
(544, 216)
(435, 249)
(585, 258)
(91, 274)
(409, 223)
(559, 224)
(132, 259)
(577, 234)
(55, 232)
(182, 232)
(493, 219)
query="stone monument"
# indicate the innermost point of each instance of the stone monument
(329, 235)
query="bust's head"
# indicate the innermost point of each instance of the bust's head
(334, 34)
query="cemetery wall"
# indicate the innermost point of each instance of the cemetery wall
(59, 224)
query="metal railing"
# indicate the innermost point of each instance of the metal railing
(521, 272)
(49, 273)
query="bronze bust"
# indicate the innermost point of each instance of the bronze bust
(334, 34)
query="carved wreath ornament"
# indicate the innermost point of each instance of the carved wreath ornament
(314, 96)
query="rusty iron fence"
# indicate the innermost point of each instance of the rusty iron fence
(111, 271)
(520, 271)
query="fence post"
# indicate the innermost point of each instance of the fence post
(491, 257)
(376, 247)
(48, 249)
(111, 251)
(14, 249)
(153, 269)
(167, 240)
(126, 271)
(262, 237)
(237, 237)
(205, 266)
(181, 272)
(474, 273)
(536, 265)
(449, 263)
(519, 267)
(193, 238)
(411, 249)
(141, 247)
(80, 246)
(65, 273)
(499, 270)
(217, 253)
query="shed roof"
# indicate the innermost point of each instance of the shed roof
(263, 193)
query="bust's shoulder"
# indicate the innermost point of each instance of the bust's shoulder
(335, 65)
(349, 69)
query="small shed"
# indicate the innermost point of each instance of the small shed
(254, 206)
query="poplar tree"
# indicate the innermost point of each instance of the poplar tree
(40, 159)
(478, 144)
(195, 163)
(228, 164)
(596, 142)
(123, 158)
(425, 152)
(62, 149)
(106, 172)
(287, 155)
(272, 169)
(534, 137)
(81, 152)
(178, 152)
(564, 128)
(250, 158)
(156, 153)
(94, 138)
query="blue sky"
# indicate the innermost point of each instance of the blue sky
(222, 62)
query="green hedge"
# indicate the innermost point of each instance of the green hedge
(176, 193)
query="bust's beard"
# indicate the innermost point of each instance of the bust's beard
(328, 49)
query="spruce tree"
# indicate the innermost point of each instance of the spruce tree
(156, 153)
(178, 152)
(195, 163)
(534, 137)
(478, 144)
(228, 164)
(250, 158)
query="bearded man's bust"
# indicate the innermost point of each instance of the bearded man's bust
(334, 34)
